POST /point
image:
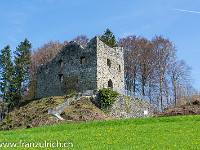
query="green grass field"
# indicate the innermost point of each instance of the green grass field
(181, 132)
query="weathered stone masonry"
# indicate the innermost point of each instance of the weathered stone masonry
(129, 107)
(79, 69)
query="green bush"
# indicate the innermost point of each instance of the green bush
(71, 94)
(107, 98)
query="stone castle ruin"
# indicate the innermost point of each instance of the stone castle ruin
(87, 70)
(82, 70)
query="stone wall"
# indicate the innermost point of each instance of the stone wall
(110, 66)
(129, 107)
(81, 69)
(72, 69)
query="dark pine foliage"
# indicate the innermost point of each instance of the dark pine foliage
(22, 75)
(6, 75)
(109, 38)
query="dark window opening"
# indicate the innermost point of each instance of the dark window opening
(119, 68)
(61, 64)
(110, 84)
(82, 58)
(61, 78)
(109, 63)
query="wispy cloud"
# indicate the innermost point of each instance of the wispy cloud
(190, 11)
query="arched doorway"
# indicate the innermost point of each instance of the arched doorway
(110, 84)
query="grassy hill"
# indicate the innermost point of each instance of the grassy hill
(34, 113)
(178, 132)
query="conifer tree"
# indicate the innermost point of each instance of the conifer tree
(6, 74)
(109, 39)
(22, 75)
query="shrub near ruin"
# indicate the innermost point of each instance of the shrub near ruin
(107, 98)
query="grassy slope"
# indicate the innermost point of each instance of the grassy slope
(180, 132)
(35, 113)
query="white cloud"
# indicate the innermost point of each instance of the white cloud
(190, 11)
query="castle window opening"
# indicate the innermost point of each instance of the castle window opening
(61, 78)
(119, 68)
(82, 58)
(109, 63)
(110, 84)
(61, 64)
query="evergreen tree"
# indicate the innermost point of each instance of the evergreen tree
(22, 75)
(6, 74)
(109, 39)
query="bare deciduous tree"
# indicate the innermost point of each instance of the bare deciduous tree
(130, 46)
(152, 68)
(82, 40)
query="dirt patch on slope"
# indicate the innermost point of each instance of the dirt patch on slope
(83, 110)
(35, 113)
(32, 114)
(192, 108)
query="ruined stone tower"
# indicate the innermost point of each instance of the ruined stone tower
(82, 69)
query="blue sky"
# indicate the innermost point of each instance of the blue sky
(43, 20)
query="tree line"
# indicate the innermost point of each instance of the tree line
(14, 75)
(152, 68)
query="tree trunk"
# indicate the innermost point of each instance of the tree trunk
(161, 95)
(134, 79)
